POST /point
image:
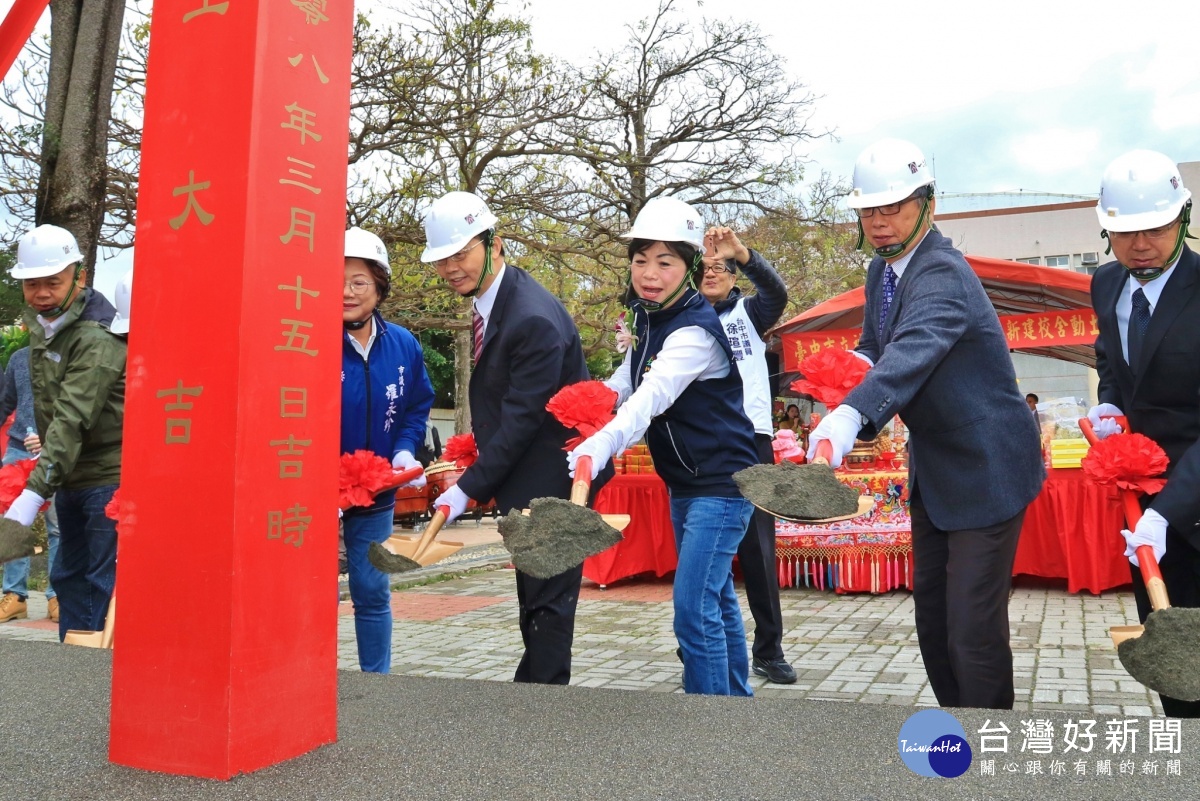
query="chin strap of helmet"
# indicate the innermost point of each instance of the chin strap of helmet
(487, 261)
(57, 311)
(1150, 273)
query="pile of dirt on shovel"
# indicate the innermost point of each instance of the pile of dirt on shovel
(1166, 658)
(787, 489)
(555, 536)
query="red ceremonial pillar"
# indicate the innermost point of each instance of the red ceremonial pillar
(16, 28)
(225, 643)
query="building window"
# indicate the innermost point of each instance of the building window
(1030, 260)
(1058, 261)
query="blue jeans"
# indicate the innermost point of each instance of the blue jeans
(370, 589)
(708, 620)
(16, 572)
(86, 566)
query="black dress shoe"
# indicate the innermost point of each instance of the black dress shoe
(777, 671)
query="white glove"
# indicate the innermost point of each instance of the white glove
(599, 446)
(404, 460)
(454, 498)
(840, 427)
(864, 357)
(1100, 425)
(1151, 530)
(25, 508)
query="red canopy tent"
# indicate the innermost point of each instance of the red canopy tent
(1015, 289)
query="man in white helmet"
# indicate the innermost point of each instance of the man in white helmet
(940, 360)
(526, 348)
(77, 366)
(1147, 305)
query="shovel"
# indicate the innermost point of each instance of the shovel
(401, 554)
(537, 544)
(823, 456)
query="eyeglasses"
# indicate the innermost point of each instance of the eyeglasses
(358, 287)
(716, 268)
(886, 211)
(460, 256)
(1153, 234)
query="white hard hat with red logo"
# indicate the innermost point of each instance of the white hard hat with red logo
(887, 172)
(365, 245)
(451, 222)
(1139, 191)
(668, 219)
(45, 251)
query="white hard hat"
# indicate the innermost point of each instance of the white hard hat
(365, 245)
(668, 219)
(44, 251)
(122, 296)
(451, 221)
(1139, 191)
(887, 172)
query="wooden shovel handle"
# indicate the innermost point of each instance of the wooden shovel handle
(1089, 432)
(431, 531)
(824, 453)
(583, 481)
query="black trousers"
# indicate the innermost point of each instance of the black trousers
(961, 584)
(547, 619)
(1180, 568)
(756, 555)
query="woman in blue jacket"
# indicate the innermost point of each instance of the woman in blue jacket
(386, 397)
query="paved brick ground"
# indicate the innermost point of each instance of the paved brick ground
(844, 648)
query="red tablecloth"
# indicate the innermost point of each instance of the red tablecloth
(649, 542)
(1073, 531)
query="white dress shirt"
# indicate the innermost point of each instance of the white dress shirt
(1153, 291)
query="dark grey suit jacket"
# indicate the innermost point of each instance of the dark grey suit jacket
(1163, 400)
(942, 364)
(531, 350)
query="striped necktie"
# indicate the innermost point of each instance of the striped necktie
(1138, 323)
(889, 293)
(477, 330)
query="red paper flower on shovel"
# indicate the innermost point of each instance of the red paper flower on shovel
(1127, 461)
(360, 475)
(461, 450)
(13, 478)
(829, 375)
(121, 510)
(586, 406)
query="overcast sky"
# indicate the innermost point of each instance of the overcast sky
(1037, 96)
(1002, 96)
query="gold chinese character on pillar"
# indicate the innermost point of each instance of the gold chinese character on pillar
(292, 447)
(179, 429)
(293, 402)
(206, 8)
(192, 205)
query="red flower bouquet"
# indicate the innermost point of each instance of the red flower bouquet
(360, 475)
(461, 450)
(585, 406)
(13, 478)
(121, 510)
(829, 375)
(1127, 461)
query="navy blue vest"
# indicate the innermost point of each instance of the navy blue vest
(705, 436)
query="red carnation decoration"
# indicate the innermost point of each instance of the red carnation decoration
(461, 450)
(830, 374)
(586, 406)
(360, 475)
(1127, 461)
(112, 509)
(13, 479)
(121, 510)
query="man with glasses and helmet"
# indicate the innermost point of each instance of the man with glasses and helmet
(526, 348)
(940, 360)
(746, 321)
(1147, 303)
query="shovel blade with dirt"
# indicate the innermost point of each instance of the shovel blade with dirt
(402, 554)
(556, 535)
(809, 494)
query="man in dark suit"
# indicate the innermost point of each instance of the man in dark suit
(526, 349)
(941, 362)
(1147, 303)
